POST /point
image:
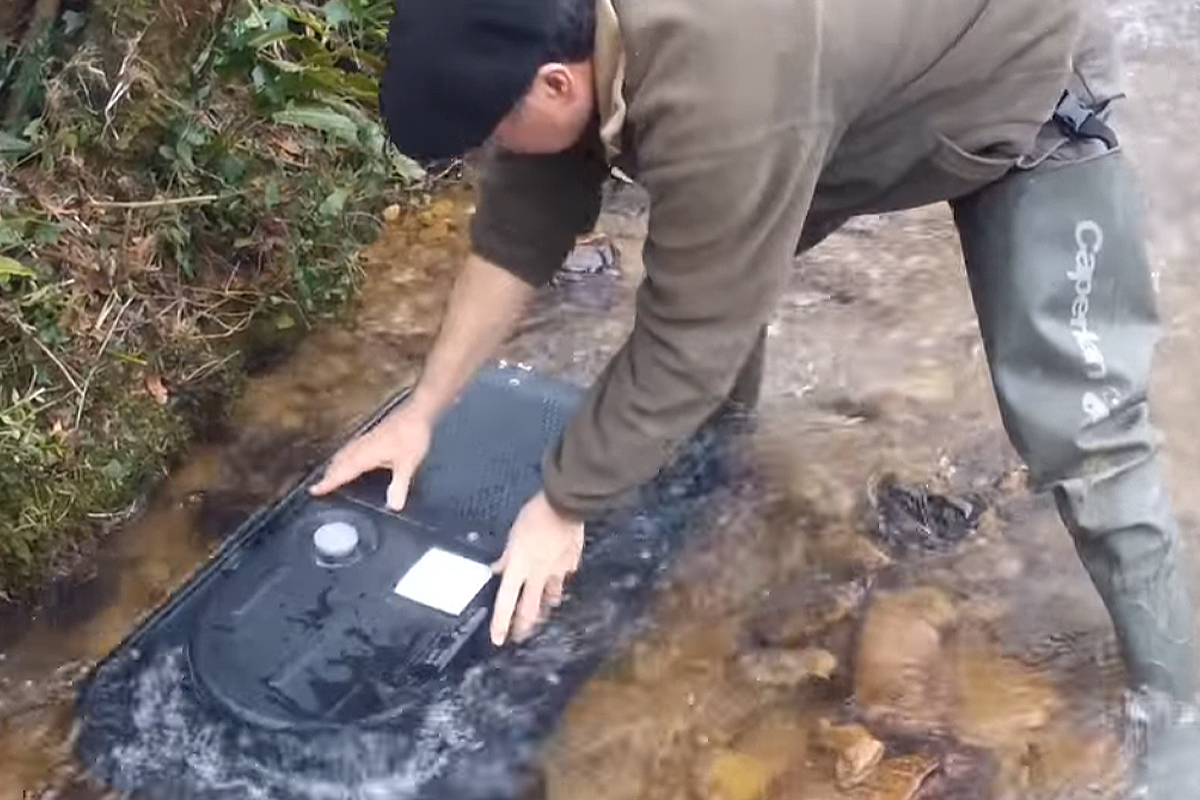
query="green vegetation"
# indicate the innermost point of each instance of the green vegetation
(177, 180)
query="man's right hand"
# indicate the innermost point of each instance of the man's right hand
(399, 443)
(484, 305)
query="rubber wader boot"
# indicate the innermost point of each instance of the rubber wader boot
(1067, 310)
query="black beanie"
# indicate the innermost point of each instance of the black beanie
(455, 68)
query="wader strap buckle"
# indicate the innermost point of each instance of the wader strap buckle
(1081, 120)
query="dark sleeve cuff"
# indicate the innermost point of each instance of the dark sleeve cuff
(531, 209)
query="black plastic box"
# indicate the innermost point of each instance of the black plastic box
(288, 670)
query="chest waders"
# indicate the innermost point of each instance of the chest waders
(1055, 253)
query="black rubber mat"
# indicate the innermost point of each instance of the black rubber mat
(297, 664)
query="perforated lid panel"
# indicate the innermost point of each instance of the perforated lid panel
(485, 458)
(334, 649)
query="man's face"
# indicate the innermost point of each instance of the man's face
(554, 112)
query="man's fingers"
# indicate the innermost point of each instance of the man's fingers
(403, 470)
(397, 492)
(506, 604)
(529, 609)
(344, 468)
(554, 591)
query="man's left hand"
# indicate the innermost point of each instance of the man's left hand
(543, 550)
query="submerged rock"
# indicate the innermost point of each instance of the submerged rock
(731, 775)
(592, 255)
(858, 753)
(787, 668)
(796, 617)
(916, 521)
(763, 757)
(900, 666)
(896, 779)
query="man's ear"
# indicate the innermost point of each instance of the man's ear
(557, 81)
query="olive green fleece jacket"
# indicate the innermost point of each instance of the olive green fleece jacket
(750, 123)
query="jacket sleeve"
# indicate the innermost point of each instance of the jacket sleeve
(724, 223)
(531, 208)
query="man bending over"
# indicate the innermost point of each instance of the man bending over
(758, 127)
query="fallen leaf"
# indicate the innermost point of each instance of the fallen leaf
(141, 251)
(158, 391)
(12, 267)
(290, 146)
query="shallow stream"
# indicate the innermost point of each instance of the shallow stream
(797, 653)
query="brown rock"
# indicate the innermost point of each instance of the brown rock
(900, 666)
(896, 779)
(1057, 758)
(864, 554)
(751, 766)
(1000, 702)
(787, 668)
(800, 615)
(858, 752)
(779, 738)
(818, 495)
(731, 775)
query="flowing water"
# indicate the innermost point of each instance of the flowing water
(794, 654)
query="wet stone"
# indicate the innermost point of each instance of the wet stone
(857, 553)
(1058, 760)
(787, 668)
(813, 494)
(914, 521)
(797, 616)
(593, 255)
(894, 778)
(900, 670)
(731, 775)
(999, 701)
(758, 758)
(779, 737)
(960, 774)
(897, 779)
(858, 753)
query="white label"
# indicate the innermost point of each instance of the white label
(443, 580)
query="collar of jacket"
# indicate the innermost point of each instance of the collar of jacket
(608, 64)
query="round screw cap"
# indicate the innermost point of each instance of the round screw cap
(336, 539)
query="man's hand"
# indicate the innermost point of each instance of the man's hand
(484, 305)
(399, 443)
(543, 550)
